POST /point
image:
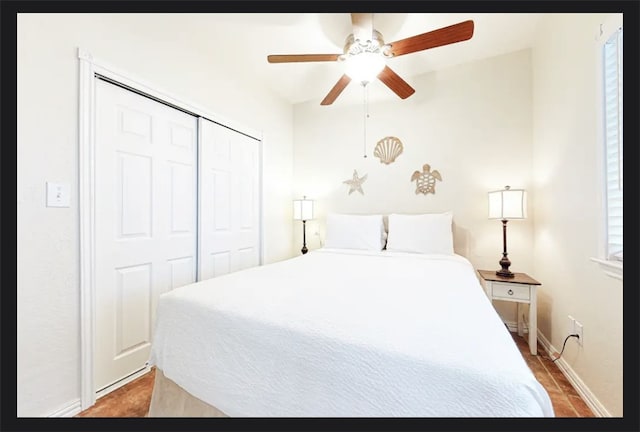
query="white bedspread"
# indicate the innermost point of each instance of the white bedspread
(341, 334)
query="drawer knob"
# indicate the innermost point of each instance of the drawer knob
(510, 292)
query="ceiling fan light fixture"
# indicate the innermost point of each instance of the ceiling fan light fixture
(365, 54)
(364, 67)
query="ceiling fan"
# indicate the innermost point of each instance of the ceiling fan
(365, 54)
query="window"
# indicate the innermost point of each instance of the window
(612, 128)
(609, 89)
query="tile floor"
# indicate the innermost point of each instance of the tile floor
(566, 401)
(130, 400)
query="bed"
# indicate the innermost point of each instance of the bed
(341, 332)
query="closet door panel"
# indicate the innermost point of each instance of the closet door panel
(145, 222)
(229, 201)
(248, 239)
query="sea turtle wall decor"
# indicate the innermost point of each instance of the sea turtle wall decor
(388, 149)
(355, 183)
(426, 180)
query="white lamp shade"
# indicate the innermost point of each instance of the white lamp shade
(303, 209)
(508, 204)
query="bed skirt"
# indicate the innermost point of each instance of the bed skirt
(168, 399)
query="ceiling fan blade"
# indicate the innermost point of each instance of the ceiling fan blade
(395, 83)
(294, 58)
(444, 36)
(362, 26)
(336, 90)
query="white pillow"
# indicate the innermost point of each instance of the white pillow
(424, 233)
(355, 232)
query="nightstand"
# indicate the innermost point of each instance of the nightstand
(521, 289)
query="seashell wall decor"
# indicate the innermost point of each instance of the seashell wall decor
(388, 149)
(426, 180)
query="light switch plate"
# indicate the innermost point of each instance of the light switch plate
(58, 195)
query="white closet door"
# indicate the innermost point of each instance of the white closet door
(229, 201)
(145, 222)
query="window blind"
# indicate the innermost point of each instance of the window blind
(613, 142)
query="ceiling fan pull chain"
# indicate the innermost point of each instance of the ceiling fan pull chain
(366, 116)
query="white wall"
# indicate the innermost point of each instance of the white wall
(149, 48)
(470, 122)
(568, 202)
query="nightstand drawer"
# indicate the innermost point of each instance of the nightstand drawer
(510, 291)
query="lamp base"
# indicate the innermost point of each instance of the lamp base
(504, 271)
(304, 249)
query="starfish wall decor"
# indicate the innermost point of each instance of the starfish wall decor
(356, 182)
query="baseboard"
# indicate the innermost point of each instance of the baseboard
(68, 411)
(589, 398)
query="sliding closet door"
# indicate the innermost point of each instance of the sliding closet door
(229, 201)
(145, 222)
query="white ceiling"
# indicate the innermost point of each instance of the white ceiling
(246, 39)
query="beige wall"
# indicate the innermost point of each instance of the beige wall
(470, 122)
(150, 48)
(568, 202)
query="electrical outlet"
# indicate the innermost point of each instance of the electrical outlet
(572, 324)
(578, 331)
